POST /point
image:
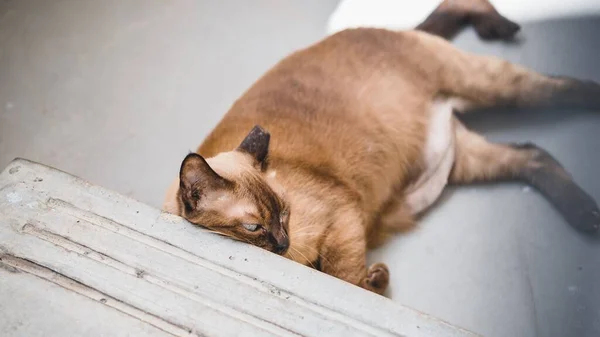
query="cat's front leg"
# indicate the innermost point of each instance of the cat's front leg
(343, 255)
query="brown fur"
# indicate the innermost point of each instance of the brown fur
(348, 120)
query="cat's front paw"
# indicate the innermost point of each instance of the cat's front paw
(378, 278)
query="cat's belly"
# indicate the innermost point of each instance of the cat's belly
(438, 157)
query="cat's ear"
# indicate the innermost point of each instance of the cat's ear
(196, 177)
(256, 144)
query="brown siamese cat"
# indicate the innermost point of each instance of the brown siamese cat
(349, 140)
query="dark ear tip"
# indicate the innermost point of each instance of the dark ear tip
(256, 143)
(259, 130)
(191, 156)
(189, 161)
(194, 169)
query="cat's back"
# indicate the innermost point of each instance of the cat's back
(348, 86)
(345, 104)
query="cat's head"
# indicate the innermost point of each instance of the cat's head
(229, 194)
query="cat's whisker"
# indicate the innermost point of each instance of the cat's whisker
(229, 236)
(243, 239)
(215, 232)
(304, 256)
(316, 251)
(305, 234)
(292, 256)
(301, 230)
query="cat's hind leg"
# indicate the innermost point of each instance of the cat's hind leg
(487, 81)
(473, 82)
(478, 160)
(453, 15)
(490, 82)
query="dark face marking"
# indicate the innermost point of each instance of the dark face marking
(275, 215)
(243, 207)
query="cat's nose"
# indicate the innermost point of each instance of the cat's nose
(279, 240)
(280, 243)
(281, 247)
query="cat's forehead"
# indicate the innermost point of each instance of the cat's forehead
(232, 206)
(253, 193)
(231, 164)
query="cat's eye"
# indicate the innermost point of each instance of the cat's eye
(283, 216)
(251, 227)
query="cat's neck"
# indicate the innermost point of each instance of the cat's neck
(311, 199)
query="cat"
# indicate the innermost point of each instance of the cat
(349, 140)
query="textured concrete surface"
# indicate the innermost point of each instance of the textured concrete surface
(117, 92)
(152, 274)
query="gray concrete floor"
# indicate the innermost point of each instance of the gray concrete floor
(117, 92)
